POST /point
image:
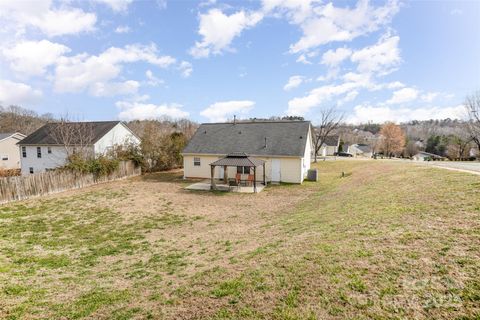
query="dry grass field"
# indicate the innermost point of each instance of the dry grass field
(388, 241)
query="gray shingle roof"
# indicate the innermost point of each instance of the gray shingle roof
(365, 148)
(5, 135)
(46, 134)
(332, 141)
(283, 138)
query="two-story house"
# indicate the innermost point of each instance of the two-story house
(49, 147)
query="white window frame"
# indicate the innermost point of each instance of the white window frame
(5, 157)
(39, 152)
(24, 152)
(49, 150)
(30, 170)
(197, 162)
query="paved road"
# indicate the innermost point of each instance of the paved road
(473, 167)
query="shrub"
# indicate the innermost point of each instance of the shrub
(100, 166)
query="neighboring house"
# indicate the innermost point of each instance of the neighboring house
(329, 146)
(286, 147)
(473, 152)
(9, 155)
(49, 147)
(360, 150)
(426, 156)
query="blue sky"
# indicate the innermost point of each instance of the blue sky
(207, 61)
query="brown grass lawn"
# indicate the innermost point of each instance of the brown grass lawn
(390, 240)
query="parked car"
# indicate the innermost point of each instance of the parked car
(343, 154)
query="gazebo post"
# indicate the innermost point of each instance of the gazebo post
(212, 181)
(225, 174)
(255, 179)
(264, 180)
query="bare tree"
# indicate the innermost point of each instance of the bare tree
(330, 120)
(472, 104)
(75, 137)
(18, 119)
(459, 143)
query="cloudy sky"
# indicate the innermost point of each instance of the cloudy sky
(113, 59)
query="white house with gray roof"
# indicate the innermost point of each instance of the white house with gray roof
(48, 147)
(360, 150)
(285, 146)
(329, 146)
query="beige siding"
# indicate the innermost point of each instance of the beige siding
(290, 168)
(9, 148)
(202, 171)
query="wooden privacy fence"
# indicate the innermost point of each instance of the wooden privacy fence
(24, 187)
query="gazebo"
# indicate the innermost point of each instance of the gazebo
(237, 159)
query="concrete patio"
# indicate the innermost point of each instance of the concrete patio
(220, 186)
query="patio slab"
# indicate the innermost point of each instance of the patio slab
(205, 186)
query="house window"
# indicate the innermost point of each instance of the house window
(24, 152)
(49, 150)
(39, 152)
(243, 170)
(196, 161)
(5, 157)
(30, 169)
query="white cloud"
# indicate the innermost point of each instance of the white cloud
(403, 95)
(80, 72)
(303, 59)
(352, 82)
(15, 93)
(323, 24)
(293, 82)
(109, 89)
(116, 5)
(332, 58)
(186, 69)
(348, 97)
(33, 57)
(381, 58)
(122, 29)
(139, 110)
(300, 106)
(218, 30)
(219, 111)
(365, 113)
(18, 15)
(152, 80)
(429, 96)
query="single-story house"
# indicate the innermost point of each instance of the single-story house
(49, 147)
(426, 156)
(329, 146)
(360, 150)
(9, 155)
(285, 146)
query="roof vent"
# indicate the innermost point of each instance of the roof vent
(239, 132)
(265, 143)
(301, 137)
(205, 132)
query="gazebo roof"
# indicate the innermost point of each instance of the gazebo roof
(238, 159)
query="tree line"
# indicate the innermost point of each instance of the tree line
(162, 140)
(451, 138)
